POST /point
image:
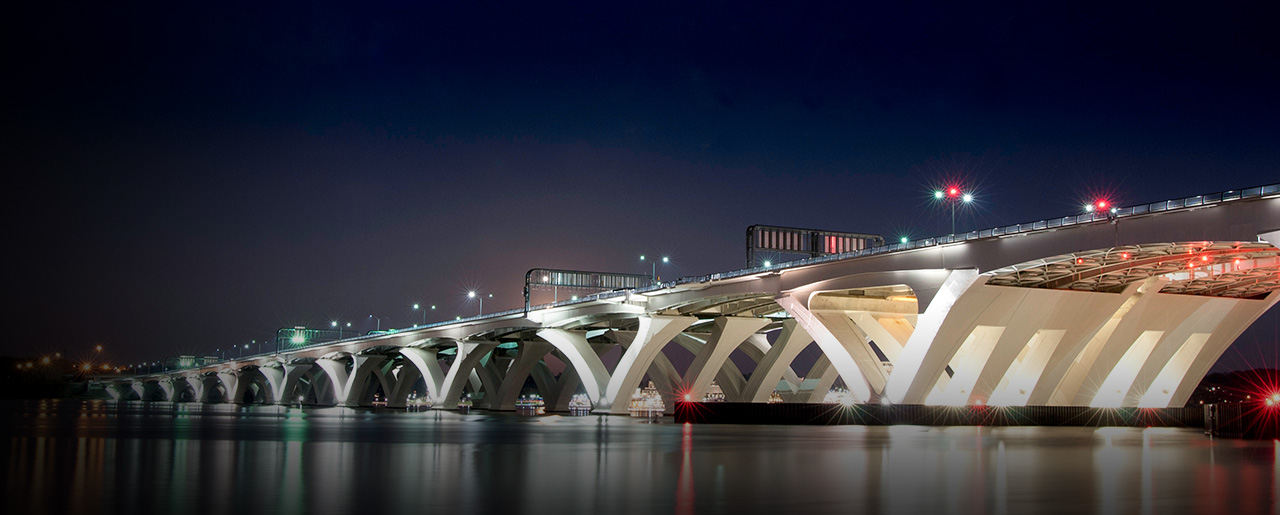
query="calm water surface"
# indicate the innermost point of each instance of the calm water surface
(98, 457)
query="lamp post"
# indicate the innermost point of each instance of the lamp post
(473, 295)
(338, 326)
(417, 307)
(653, 270)
(953, 196)
(379, 319)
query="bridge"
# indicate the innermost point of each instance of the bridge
(1113, 308)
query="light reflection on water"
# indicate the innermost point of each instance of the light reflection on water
(78, 457)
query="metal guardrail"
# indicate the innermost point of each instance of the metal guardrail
(995, 232)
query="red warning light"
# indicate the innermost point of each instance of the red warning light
(1124, 255)
(953, 191)
(1102, 204)
(1079, 261)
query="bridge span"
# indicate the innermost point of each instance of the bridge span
(1108, 309)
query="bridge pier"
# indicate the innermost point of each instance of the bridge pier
(839, 352)
(528, 356)
(468, 356)
(729, 333)
(652, 336)
(772, 368)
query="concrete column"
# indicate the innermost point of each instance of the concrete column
(728, 334)
(917, 369)
(889, 333)
(567, 385)
(821, 377)
(587, 366)
(1192, 331)
(528, 355)
(469, 355)
(244, 380)
(756, 347)
(770, 369)
(487, 379)
(545, 382)
(292, 375)
(1081, 341)
(274, 376)
(1020, 379)
(209, 388)
(730, 379)
(197, 388)
(358, 390)
(230, 380)
(654, 333)
(1021, 315)
(1132, 341)
(428, 365)
(336, 371)
(852, 359)
(138, 388)
(166, 386)
(1240, 318)
(405, 379)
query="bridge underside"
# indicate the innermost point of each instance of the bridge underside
(1134, 325)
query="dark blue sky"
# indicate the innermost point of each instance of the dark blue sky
(190, 176)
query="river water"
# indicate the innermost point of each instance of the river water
(136, 458)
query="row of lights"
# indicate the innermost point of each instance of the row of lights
(85, 366)
(300, 338)
(43, 361)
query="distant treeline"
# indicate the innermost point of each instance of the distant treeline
(22, 378)
(1237, 386)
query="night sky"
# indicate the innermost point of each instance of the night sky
(189, 176)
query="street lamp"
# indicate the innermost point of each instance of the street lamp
(416, 307)
(653, 269)
(339, 327)
(953, 195)
(379, 319)
(473, 295)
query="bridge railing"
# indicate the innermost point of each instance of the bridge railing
(1038, 225)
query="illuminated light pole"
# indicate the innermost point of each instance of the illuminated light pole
(653, 270)
(953, 195)
(416, 307)
(379, 319)
(473, 295)
(555, 288)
